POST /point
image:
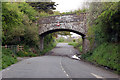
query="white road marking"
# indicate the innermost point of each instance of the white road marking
(64, 70)
(97, 76)
(67, 75)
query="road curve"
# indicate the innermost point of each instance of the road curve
(56, 65)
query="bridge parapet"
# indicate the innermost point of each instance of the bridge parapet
(62, 18)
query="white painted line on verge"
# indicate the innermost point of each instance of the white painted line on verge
(75, 57)
(97, 76)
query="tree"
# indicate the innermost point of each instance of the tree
(43, 6)
(28, 10)
(18, 25)
(103, 22)
(11, 18)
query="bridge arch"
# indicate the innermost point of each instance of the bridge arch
(73, 23)
(84, 44)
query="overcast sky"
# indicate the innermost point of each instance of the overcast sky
(67, 5)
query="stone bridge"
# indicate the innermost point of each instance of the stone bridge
(72, 22)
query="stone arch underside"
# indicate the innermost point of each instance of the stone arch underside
(72, 27)
(56, 30)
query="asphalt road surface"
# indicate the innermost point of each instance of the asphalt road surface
(57, 64)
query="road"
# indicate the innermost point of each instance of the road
(57, 64)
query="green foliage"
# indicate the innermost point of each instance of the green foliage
(104, 33)
(73, 40)
(11, 15)
(8, 58)
(106, 55)
(47, 7)
(18, 25)
(28, 10)
(44, 14)
(25, 54)
(48, 48)
(49, 43)
(80, 48)
(31, 36)
(76, 45)
(61, 39)
(11, 18)
(103, 22)
(75, 12)
(86, 55)
(48, 39)
(62, 33)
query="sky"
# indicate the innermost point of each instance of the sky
(67, 5)
(74, 34)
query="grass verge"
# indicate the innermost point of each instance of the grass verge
(106, 55)
(48, 48)
(8, 58)
(76, 45)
